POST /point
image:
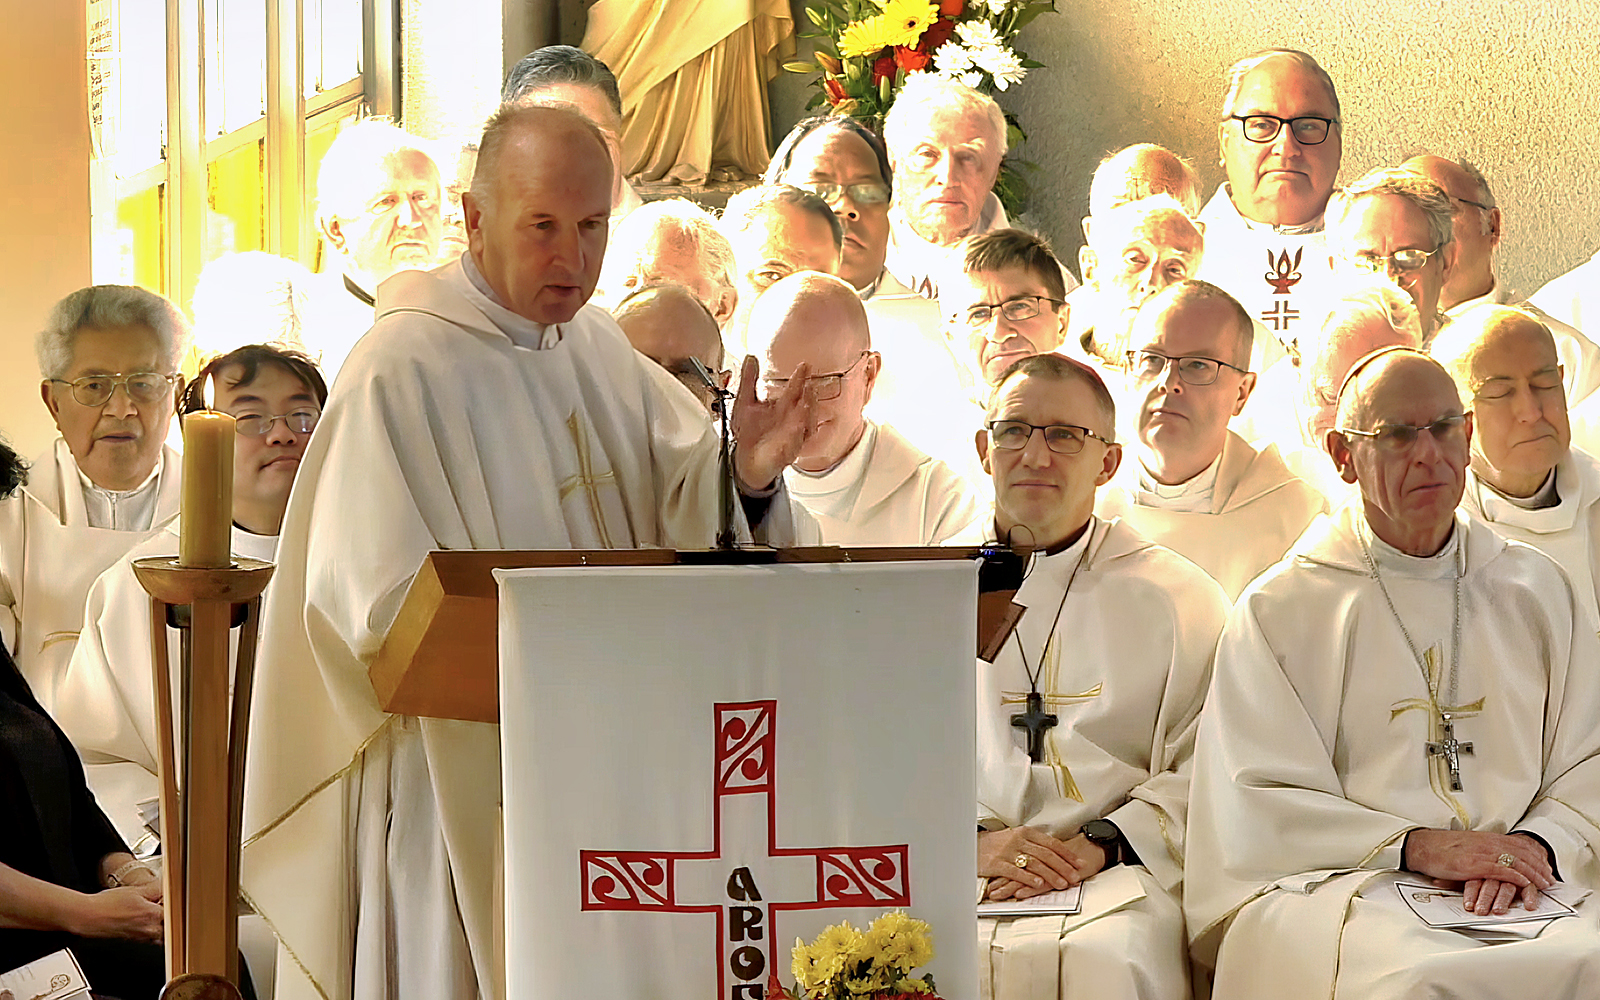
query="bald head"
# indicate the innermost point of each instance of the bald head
(538, 211)
(1139, 171)
(1474, 224)
(670, 326)
(1504, 361)
(817, 320)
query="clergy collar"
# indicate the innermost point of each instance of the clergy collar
(1545, 496)
(868, 292)
(1446, 564)
(522, 331)
(1309, 229)
(118, 496)
(848, 470)
(1193, 495)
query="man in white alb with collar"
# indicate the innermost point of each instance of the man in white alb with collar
(1405, 697)
(865, 483)
(109, 355)
(1282, 137)
(1526, 480)
(1195, 486)
(1086, 716)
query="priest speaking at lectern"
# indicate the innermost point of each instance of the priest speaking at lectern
(488, 409)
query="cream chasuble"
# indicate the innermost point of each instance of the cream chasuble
(1569, 532)
(371, 840)
(1580, 358)
(1574, 298)
(105, 701)
(693, 76)
(1280, 276)
(1125, 673)
(1258, 508)
(1312, 765)
(49, 556)
(885, 492)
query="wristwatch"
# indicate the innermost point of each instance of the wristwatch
(1105, 833)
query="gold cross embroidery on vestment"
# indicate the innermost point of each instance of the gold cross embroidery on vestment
(1066, 787)
(1439, 716)
(587, 480)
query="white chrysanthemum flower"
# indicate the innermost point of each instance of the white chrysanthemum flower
(995, 7)
(952, 58)
(979, 35)
(971, 78)
(1002, 64)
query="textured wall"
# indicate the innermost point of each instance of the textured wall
(1513, 85)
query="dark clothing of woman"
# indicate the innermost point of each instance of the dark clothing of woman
(51, 829)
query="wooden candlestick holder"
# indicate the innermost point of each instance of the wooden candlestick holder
(202, 814)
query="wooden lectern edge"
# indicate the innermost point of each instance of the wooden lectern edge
(448, 624)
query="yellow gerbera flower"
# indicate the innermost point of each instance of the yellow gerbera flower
(908, 19)
(865, 37)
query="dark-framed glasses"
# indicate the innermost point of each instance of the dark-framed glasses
(1023, 307)
(1405, 261)
(1147, 366)
(823, 387)
(1307, 130)
(1475, 204)
(301, 421)
(1400, 437)
(1063, 439)
(142, 387)
(865, 193)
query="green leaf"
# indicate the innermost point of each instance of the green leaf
(1032, 64)
(818, 98)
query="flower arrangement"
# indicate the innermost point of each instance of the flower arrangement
(865, 50)
(844, 963)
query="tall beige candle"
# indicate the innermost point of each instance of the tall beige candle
(205, 532)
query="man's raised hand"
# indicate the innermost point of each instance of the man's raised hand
(768, 434)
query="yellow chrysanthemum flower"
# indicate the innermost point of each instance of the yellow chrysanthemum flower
(865, 37)
(908, 19)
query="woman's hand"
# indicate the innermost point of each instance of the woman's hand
(133, 912)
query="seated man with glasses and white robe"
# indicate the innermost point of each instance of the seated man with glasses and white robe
(1086, 713)
(104, 699)
(1197, 487)
(863, 481)
(1405, 715)
(109, 355)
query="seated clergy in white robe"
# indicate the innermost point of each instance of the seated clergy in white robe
(1573, 298)
(1195, 486)
(1407, 696)
(671, 326)
(1526, 480)
(109, 355)
(491, 409)
(1472, 280)
(864, 482)
(1281, 140)
(104, 700)
(1116, 643)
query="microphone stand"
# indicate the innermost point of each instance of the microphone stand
(723, 402)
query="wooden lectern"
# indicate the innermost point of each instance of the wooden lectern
(440, 659)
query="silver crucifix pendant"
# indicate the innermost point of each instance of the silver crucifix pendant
(1451, 750)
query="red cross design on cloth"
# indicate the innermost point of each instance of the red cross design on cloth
(746, 792)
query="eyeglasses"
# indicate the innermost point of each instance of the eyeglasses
(1015, 310)
(1309, 130)
(1147, 366)
(1405, 261)
(823, 387)
(1063, 439)
(866, 193)
(260, 424)
(142, 387)
(1400, 437)
(1474, 204)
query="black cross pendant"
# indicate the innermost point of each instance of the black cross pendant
(1449, 748)
(1035, 720)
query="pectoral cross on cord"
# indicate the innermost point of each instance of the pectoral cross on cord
(1450, 749)
(1035, 719)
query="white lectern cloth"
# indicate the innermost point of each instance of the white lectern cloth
(848, 689)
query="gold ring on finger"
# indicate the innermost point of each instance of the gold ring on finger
(1507, 860)
(1021, 860)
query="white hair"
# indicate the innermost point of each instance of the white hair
(109, 307)
(929, 90)
(1241, 69)
(1364, 296)
(1116, 182)
(343, 179)
(685, 221)
(1138, 211)
(251, 298)
(1429, 198)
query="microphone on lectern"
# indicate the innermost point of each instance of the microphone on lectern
(721, 398)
